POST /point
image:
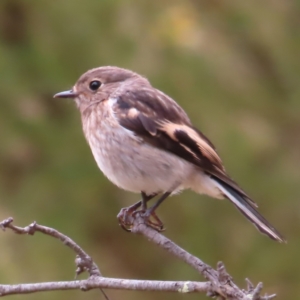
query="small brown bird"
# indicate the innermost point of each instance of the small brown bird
(144, 142)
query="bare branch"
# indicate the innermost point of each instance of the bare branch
(111, 283)
(219, 283)
(83, 261)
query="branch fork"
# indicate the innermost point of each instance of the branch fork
(219, 283)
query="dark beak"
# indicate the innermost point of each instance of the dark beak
(66, 94)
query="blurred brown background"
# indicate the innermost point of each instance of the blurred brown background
(233, 65)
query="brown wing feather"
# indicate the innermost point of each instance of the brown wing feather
(161, 122)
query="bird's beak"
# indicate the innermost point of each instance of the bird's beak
(66, 94)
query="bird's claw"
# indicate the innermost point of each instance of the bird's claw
(126, 217)
(157, 224)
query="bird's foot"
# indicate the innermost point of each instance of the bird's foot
(127, 214)
(155, 223)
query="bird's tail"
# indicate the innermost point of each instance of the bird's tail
(248, 210)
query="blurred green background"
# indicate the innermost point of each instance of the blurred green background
(233, 65)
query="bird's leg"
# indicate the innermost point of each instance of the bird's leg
(150, 212)
(125, 213)
(145, 199)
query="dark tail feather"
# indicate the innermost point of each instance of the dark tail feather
(249, 211)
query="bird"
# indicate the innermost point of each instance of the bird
(144, 142)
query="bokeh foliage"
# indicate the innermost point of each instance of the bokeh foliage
(233, 65)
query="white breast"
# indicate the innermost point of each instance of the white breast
(129, 162)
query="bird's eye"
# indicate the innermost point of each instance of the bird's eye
(94, 85)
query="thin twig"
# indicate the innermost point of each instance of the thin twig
(222, 282)
(83, 261)
(219, 285)
(110, 283)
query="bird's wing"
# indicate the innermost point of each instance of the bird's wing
(161, 122)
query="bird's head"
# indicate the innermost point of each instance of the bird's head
(100, 84)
